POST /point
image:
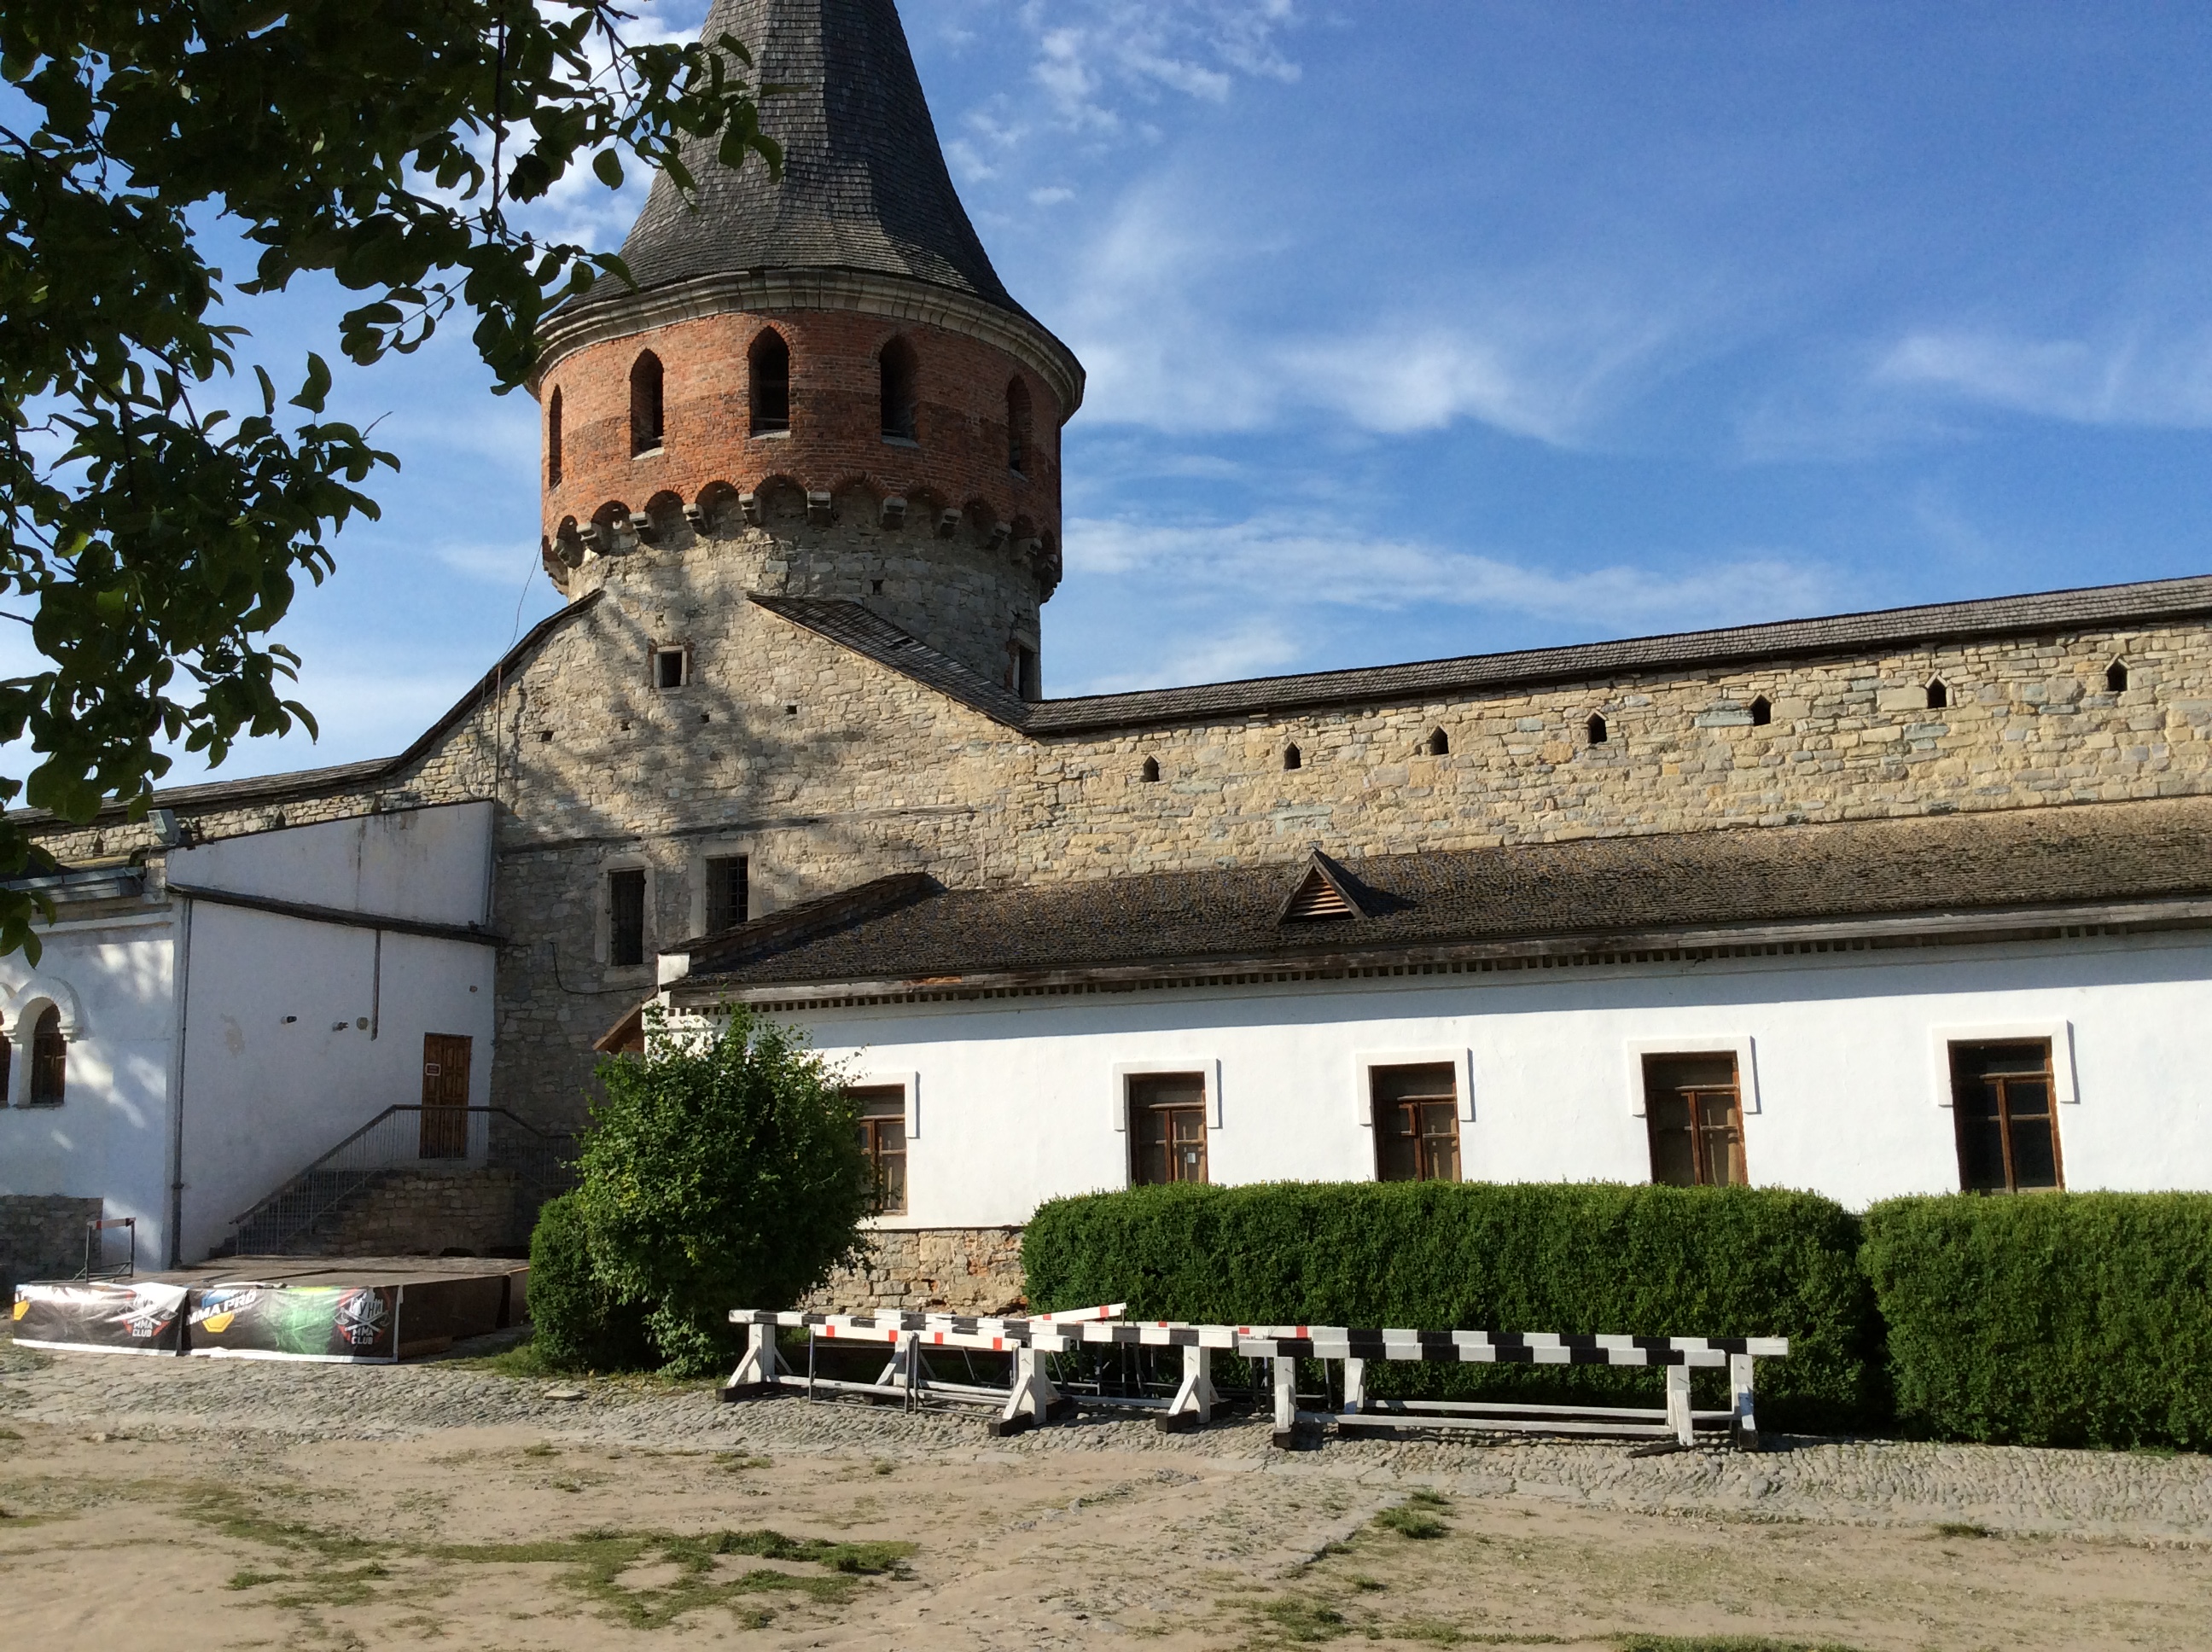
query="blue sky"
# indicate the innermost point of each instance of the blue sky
(1441, 326)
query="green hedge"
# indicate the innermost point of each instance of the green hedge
(577, 1325)
(1581, 1257)
(2059, 1319)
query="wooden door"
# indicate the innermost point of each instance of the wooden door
(445, 1095)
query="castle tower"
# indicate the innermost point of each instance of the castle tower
(820, 372)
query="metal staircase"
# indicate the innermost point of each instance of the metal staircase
(404, 1138)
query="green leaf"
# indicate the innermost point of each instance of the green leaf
(317, 389)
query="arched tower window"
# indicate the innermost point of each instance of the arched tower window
(1439, 744)
(48, 1059)
(2116, 677)
(1939, 693)
(1151, 771)
(1762, 712)
(768, 369)
(1292, 758)
(899, 370)
(646, 429)
(1018, 424)
(553, 439)
(1595, 728)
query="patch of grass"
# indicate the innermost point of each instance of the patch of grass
(9, 1434)
(1304, 1622)
(541, 1449)
(1963, 1528)
(1412, 1519)
(884, 1466)
(598, 1560)
(1722, 1643)
(730, 1462)
(595, 1561)
(1364, 1584)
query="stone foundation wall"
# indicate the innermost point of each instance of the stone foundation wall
(425, 1213)
(42, 1237)
(960, 1270)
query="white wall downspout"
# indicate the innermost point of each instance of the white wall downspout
(175, 1245)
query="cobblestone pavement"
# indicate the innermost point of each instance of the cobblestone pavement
(2137, 1495)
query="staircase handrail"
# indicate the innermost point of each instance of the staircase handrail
(270, 1198)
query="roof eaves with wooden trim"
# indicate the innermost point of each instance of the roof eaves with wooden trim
(1997, 873)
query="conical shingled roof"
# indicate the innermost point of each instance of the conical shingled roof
(864, 184)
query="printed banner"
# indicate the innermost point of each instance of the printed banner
(292, 1322)
(105, 1315)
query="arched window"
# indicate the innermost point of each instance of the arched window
(1762, 712)
(1018, 426)
(1292, 758)
(48, 1059)
(645, 424)
(1439, 744)
(899, 369)
(1939, 693)
(1596, 729)
(768, 369)
(553, 441)
(1151, 771)
(2116, 677)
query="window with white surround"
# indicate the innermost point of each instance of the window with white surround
(1693, 1112)
(2004, 1105)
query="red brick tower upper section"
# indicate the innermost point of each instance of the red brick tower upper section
(823, 347)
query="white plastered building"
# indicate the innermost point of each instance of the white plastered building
(2006, 1001)
(215, 1018)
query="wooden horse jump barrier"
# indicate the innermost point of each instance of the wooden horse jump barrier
(1031, 1400)
(1286, 1344)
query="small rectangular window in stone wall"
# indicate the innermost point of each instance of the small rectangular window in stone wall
(626, 916)
(728, 893)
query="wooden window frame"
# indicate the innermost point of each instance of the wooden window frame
(1691, 1050)
(1136, 1144)
(2048, 1078)
(870, 1129)
(1372, 1072)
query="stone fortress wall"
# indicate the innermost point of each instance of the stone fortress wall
(826, 768)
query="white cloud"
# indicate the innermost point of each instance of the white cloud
(2140, 377)
(1283, 565)
(1542, 353)
(1052, 195)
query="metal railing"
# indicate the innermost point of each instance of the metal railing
(407, 1138)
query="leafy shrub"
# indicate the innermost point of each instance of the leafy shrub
(2049, 1318)
(1569, 1257)
(580, 1324)
(723, 1169)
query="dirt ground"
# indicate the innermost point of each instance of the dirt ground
(500, 1538)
